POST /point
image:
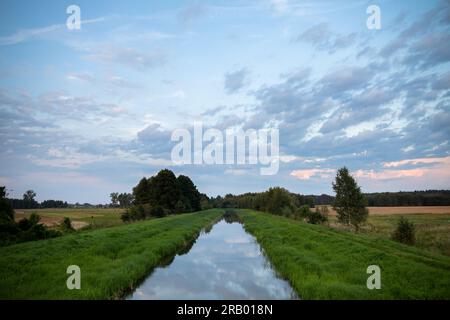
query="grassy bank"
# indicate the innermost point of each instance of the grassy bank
(112, 260)
(322, 263)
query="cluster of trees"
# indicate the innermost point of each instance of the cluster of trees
(349, 202)
(275, 200)
(24, 230)
(278, 201)
(163, 194)
(121, 200)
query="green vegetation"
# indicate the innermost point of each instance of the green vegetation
(431, 230)
(26, 229)
(112, 260)
(405, 232)
(163, 194)
(322, 263)
(349, 202)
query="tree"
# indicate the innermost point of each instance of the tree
(278, 201)
(190, 193)
(125, 200)
(114, 198)
(349, 202)
(28, 199)
(405, 232)
(29, 195)
(6, 210)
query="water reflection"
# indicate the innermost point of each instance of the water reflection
(225, 263)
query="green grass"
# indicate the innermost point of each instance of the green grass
(112, 260)
(432, 230)
(323, 263)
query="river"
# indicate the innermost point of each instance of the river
(224, 263)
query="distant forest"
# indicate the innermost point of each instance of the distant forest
(379, 199)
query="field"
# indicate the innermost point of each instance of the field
(112, 260)
(320, 262)
(80, 217)
(432, 225)
(323, 263)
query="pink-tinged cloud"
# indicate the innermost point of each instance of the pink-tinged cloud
(388, 174)
(416, 162)
(437, 170)
(307, 174)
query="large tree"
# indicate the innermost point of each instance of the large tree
(349, 202)
(190, 194)
(6, 210)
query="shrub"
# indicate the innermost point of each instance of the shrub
(318, 216)
(66, 225)
(304, 212)
(405, 232)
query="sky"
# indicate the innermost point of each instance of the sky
(90, 111)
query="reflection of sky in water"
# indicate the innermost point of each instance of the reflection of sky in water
(224, 264)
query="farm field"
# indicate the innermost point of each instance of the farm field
(81, 217)
(323, 263)
(112, 260)
(432, 225)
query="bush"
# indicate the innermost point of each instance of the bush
(303, 212)
(319, 216)
(405, 232)
(66, 225)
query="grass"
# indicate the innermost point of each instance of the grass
(112, 260)
(323, 263)
(432, 230)
(93, 217)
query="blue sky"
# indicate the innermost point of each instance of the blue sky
(88, 112)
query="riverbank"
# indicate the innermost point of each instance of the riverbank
(112, 260)
(322, 263)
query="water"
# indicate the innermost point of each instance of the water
(225, 263)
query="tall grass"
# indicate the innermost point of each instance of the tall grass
(112, 260)
(322, 263)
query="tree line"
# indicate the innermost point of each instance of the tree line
(378, 199)
(28, 201)
(163, 194)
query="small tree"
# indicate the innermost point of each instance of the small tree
(66, 225)
(349, 202)
(114, 198)
(405, 232)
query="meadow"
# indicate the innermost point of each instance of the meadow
(112, 260)
(323, 263)
(80, 217)
(432, 225)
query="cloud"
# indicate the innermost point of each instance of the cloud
(236, 80)
(127, 56)
(417, 161)
(28, 34)
(192, 12)
(306, 174)
(279, 6)
(321, 37)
